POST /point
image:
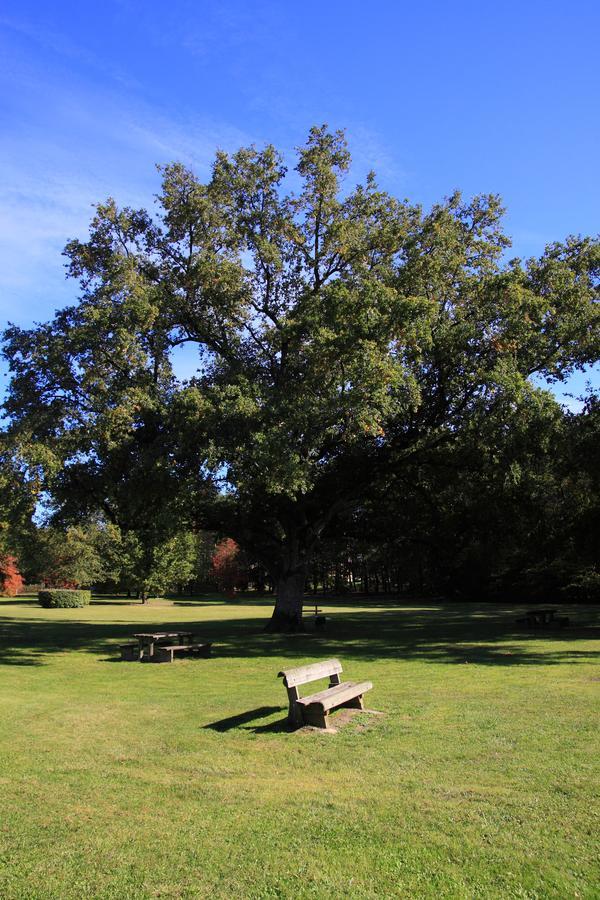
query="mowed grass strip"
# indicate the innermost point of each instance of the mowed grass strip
(180, 780)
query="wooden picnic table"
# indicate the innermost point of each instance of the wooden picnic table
(319, 620)
(147, 639)
(540, 616)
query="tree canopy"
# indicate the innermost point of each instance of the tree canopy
(341, 334)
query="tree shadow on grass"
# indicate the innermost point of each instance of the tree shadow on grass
(19, 601)
(187, 604)
(482, 634)
(15, 656)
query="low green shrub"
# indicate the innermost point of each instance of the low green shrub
(63, 598)
(584, 587)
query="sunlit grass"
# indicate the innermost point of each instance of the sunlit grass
(126, 780)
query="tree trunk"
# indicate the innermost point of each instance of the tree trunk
(287, 615)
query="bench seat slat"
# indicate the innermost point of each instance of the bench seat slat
(181, 646)
(166, 652)
(335, 696)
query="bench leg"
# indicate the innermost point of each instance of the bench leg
(315, 717)
(355, 703)
(294, 712)
(295, 717)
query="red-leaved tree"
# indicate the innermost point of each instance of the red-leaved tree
(11, 580)
(228, 568)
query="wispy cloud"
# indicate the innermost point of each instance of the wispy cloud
(70, 146)
(371, 152)
(227, 28)
(59, 44)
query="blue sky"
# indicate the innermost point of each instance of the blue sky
(479, 96)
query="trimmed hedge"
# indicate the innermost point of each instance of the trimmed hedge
(63, 598)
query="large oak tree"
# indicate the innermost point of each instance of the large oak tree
(340, 333)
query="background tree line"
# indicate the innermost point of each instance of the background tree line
(508, 513)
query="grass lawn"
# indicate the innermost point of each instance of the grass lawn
(130, 781)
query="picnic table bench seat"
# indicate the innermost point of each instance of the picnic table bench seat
(315, 708)
(166, 652)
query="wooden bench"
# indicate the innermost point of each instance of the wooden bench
(314, 709)
(131, 652)
(166, 652)
(543, 618)
(319, 619)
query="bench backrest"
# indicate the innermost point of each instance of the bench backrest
(311, 672)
